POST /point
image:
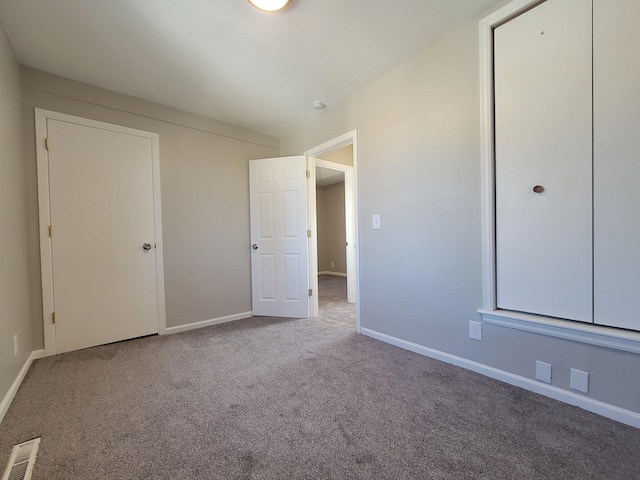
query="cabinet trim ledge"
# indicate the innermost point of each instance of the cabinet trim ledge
(606, 337)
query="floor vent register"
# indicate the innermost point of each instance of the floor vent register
(22, 460)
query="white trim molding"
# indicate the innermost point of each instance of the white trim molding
(578, 332)
(46, 263)
(208, 323)
(613, 412)
(8, 398)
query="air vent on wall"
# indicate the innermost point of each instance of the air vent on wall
(21, 461)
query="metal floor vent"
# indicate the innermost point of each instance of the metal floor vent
(22, 460)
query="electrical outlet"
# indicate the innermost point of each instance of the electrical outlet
(15, 345)
(475, 330)
(579, 380)
(333, 264)
(543, 371)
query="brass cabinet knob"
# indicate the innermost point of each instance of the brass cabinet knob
(538, 189)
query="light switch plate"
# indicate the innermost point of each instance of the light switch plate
(543, 371)
(579, 380)
(375, 222)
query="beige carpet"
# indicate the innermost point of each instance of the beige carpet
(332, 299)
(297, 399)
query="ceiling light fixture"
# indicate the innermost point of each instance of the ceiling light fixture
(318, 105)
(269, 5)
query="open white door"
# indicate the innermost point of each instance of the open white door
(279, 261)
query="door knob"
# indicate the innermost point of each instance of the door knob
(538, 189)
(146, 246)
(254, 246)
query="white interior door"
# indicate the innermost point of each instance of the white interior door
(279, 249)
(616, 163)
(543, 137)
(102, 212)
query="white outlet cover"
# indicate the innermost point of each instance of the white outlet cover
(579, 380)
(375, 222)
(543, 371)
(475, 330)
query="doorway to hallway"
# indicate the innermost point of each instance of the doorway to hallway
(332, 299)
(337, 158)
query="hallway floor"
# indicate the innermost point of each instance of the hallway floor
(332, 297)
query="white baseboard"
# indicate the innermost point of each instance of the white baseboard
(208, 323)
(622, 415)
(335, 274)
(8, 398)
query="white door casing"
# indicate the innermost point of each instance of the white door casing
(279, 243)
(99, 190)
(543, 131)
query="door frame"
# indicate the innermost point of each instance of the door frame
(349, 215)
(351, 203)
(44, 214)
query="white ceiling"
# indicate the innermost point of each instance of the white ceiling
(225, 59)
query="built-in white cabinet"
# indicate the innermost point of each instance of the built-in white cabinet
(567, 161)
(543, 131)
(616, 131)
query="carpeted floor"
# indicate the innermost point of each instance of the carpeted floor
(271, 398)
(332, 299)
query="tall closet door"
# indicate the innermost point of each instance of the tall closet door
(543, 128)
(616, 68)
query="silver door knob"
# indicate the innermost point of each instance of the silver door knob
(146, 246)
(254, 246)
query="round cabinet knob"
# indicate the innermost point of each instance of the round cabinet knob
(146, 246)
(254, 246)
(538, 189)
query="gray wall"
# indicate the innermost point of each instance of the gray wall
(419, 167)
(15, 314)
(331, 228)
(205, 194)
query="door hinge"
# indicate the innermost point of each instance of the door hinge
(50, 231)
(46, 143)
(310, 292)
(308, 174)
(308, 233)
(53, 317)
